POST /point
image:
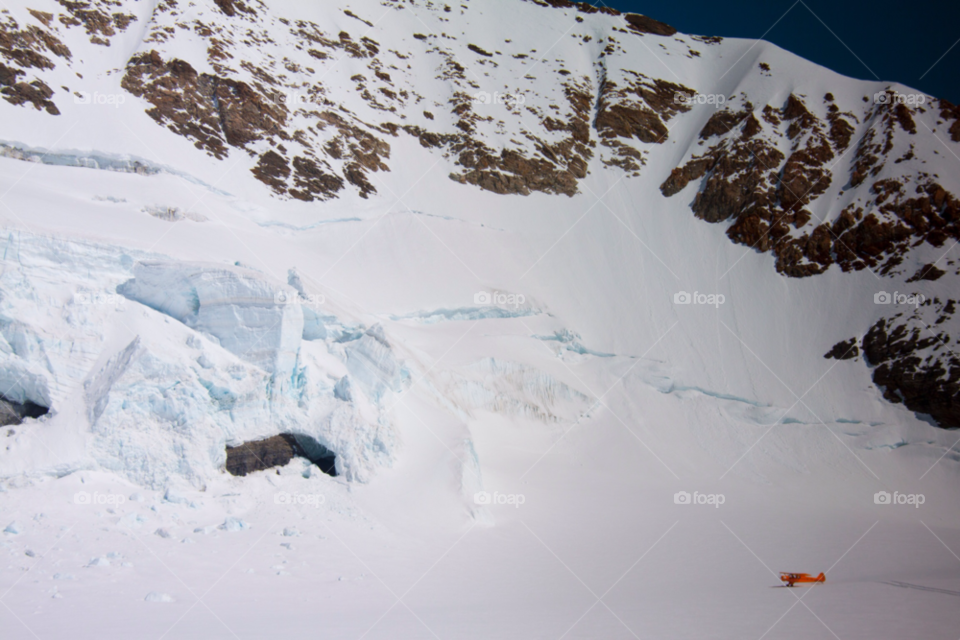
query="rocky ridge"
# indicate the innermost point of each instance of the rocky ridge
(913, 359)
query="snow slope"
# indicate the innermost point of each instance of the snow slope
(513, 393)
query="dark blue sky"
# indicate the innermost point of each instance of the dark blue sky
(894, 41)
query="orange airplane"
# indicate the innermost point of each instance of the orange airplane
(799, 578)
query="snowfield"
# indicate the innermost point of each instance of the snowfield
(553, 417)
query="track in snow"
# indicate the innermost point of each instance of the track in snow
(907, 585)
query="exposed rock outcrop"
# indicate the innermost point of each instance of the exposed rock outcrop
(747, 179)
(24, 49)
(276, 451)
(914, 362)
(556, 171)
(210, 110)
(643, 24)
(844, 350)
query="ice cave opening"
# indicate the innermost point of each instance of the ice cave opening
(277, 451)
(12, 412)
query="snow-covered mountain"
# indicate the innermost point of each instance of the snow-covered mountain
(528, 272)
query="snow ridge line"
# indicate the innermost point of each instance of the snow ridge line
(122, 163)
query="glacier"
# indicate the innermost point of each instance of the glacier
(162, 406)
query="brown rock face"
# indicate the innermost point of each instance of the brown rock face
(231, 7)
(643, 24)
(36, 93)
(99, 24)
(245, 116)
(28, 48)
(271, 452)
(621, 121)
(721, 123)
(877, 243)
(681, 176)
(272, 170)
(845, 350)
(582, 7)
(210, 110)
(217, 113)
(950, 111)
(639, 109)
(748, 180)
(8, 76)
(927, 272)
(841, 131)
(562, 163)
(263, 454)
(914, 365)
(311, 182)
(737, 181)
